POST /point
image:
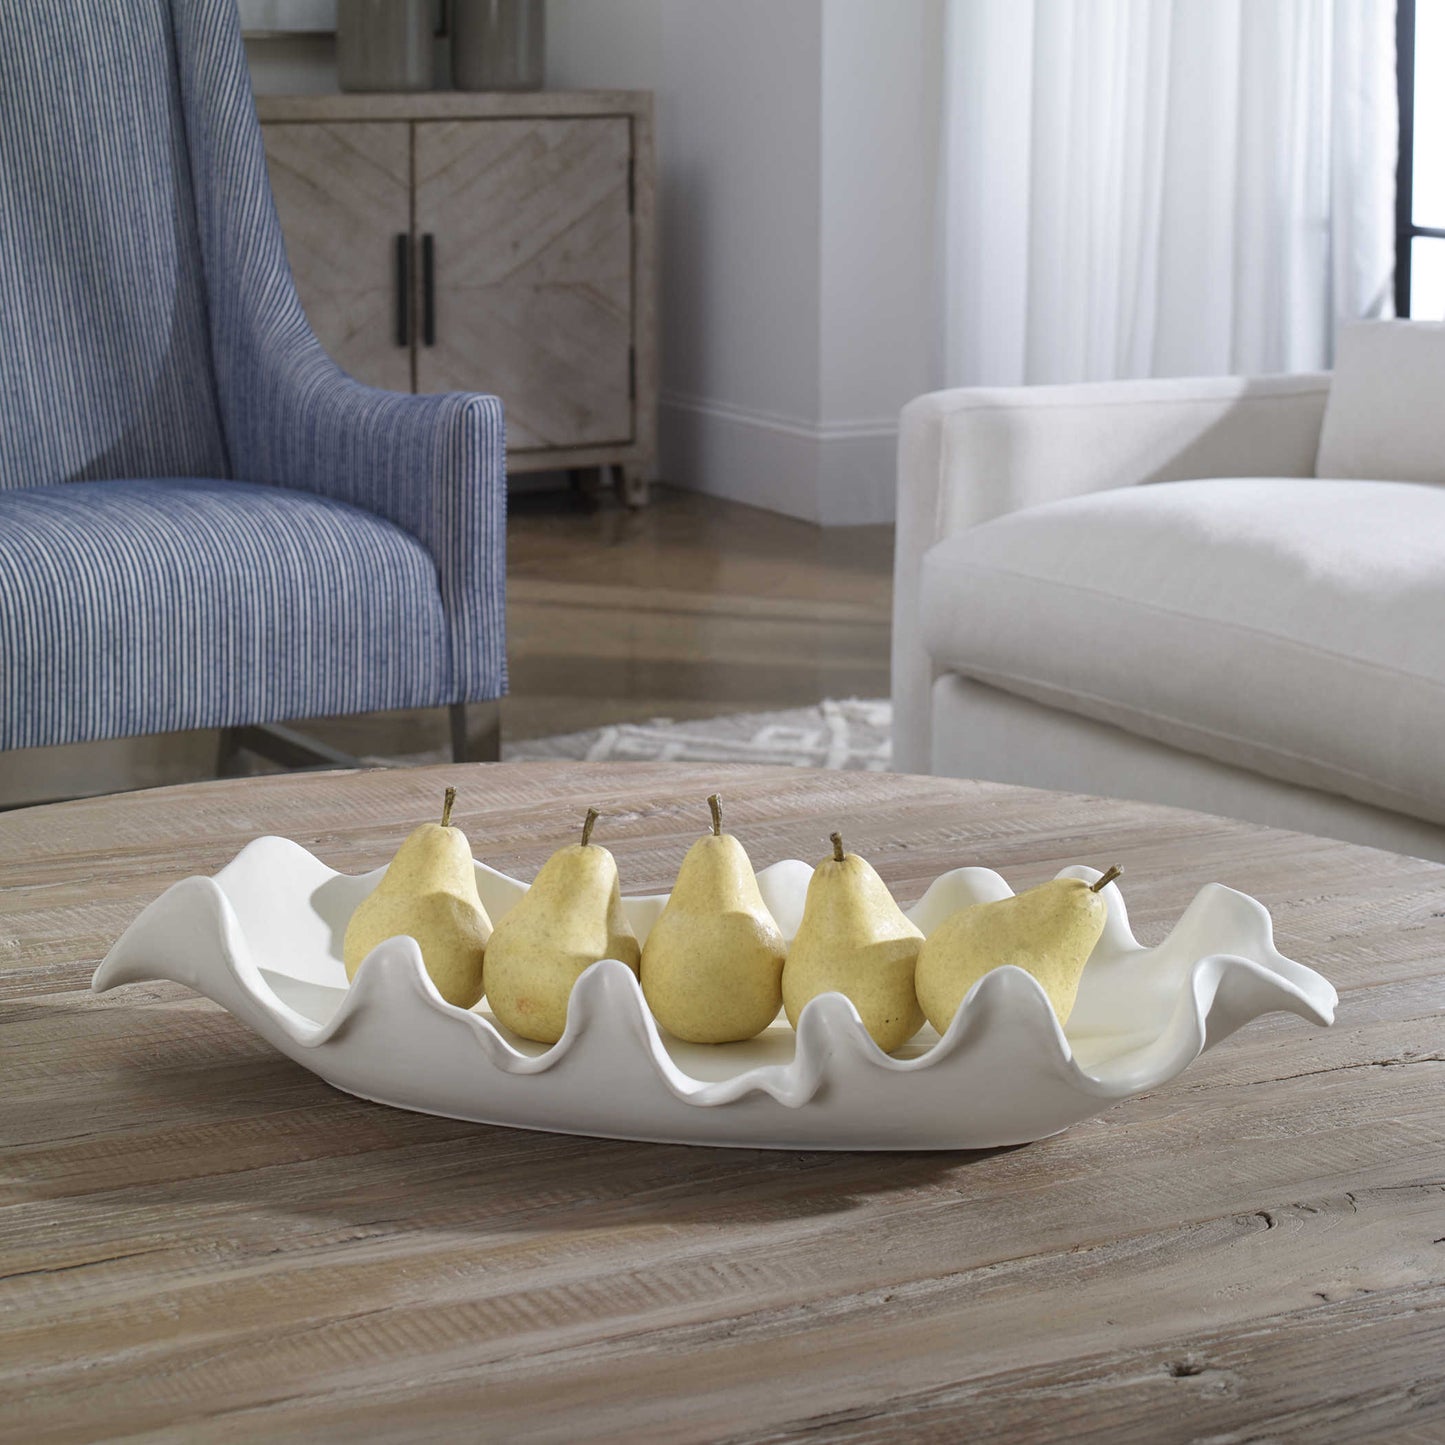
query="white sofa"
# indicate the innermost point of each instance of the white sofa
(1258, 633)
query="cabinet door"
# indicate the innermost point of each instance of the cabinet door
(532, 272)
(343, 192)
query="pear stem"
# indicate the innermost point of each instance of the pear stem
(837, 840)
(592, 817)
(715, 803)
(447, 801)
(1114, 872)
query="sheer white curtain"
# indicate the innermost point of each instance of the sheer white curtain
(1163, 187)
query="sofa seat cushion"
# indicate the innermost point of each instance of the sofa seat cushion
(150, 606)
(1292, 626)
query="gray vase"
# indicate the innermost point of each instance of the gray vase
(384, 44)
(499, 44)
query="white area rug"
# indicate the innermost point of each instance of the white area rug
(853, 734)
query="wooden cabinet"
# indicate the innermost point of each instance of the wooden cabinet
(483, 242)
(533, 261)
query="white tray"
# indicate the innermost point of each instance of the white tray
(263, 939)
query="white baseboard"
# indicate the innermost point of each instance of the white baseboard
(834, 473)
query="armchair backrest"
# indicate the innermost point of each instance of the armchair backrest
(106, 359)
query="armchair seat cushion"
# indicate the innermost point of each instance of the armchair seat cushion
(1295, 627)
(156, 605)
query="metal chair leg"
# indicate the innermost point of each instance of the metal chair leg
(287, 747)
(476, 732)
(228, 752)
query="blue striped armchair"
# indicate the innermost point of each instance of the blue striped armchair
(204, 523)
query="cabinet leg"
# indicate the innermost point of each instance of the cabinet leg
(476, 732)
(631, 483)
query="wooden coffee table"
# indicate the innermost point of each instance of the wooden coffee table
(201, 1241)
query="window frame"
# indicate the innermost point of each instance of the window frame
(1405, 228)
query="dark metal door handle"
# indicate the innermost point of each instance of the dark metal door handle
(403, 290)
(428, 291)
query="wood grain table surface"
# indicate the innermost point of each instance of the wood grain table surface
(199, 1240)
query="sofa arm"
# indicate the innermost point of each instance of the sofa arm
(967, 456)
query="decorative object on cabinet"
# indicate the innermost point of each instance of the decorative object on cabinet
(498, 44)
(261, 18)
(384, 44)
(492, 241)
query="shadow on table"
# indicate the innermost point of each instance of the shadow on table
(213, 1117)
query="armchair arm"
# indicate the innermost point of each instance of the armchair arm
(433, 465)
(967, 456)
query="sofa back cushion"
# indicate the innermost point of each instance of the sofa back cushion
(1385, 416)
(106, 369)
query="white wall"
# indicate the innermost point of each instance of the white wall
(738, 95)
(882, 80)
(614, 44)
(797, 148)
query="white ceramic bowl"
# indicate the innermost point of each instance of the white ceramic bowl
(263, 939)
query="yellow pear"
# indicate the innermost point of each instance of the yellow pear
(712, 964)
(569, 918)
(1049, 931)
(855, 940)
(429, 891)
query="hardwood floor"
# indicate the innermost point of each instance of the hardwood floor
(691, 607)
